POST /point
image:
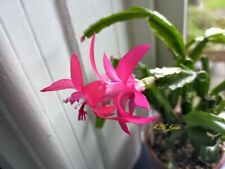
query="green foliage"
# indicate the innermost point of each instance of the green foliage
(201, 84)
(212, 35)
(205, 64)
(180, 94)
(215, 4)
(210, 104)
(160, 102)
(200, 20)
(172, 77)
(174, 97)
(205, 120)
(199, 137)
(198, 49)
(100, 122)
(210, 154)
(131, 13)
(159, 24)
(168, 34)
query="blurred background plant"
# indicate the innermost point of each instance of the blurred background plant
(203, 15)
(181, 94)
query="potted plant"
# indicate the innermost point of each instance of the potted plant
(192, 131)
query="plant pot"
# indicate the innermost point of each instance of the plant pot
(178, 156)
(148, 159)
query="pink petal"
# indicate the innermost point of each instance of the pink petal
(130, 60)
(76, 96)
(94, 92)
(114, 89)
(140, 100)
(76, 72)
(121, 121)
(138, 120)
(131, 78)
(109, 70)
(92, 57)
(59, 85)
(121, 101)
(134, 119)
(131, 106)
(124, 127)
(105, 111)
(124, 97)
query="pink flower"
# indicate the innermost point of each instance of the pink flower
(116, 86)
(122, 87)
(90, 94)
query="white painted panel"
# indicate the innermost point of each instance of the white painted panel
(118, 149)
(30, 57)
(53, 50)
(174, 10)
(83, 13)
(141, 33)
(37, 39)
(19, 97)
(11, 147)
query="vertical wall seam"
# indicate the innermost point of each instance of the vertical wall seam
(72, 42)
(103, 151)
(185, 20)
(115, 27)
(50, 75)
(66, 23)
(73, 34)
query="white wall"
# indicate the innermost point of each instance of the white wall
(175, 11)
(37, 39)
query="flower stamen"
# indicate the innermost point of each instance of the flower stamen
(82, 113)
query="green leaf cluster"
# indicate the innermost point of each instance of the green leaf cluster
(181, 94)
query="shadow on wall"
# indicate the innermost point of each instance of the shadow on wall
(4, 163)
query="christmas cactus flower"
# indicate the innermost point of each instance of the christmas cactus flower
(90, 94)
(114, 90)
(122, 87)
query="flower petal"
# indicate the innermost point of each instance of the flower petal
(121, 101)
(104, 111)
(129, 61)
(138, 120)
(134, 119)
(131, 106)
(76, 96)
(59, 85)
(94, 92)
(140, 100)
(109, 69)
(76, 72)
(92, 57)
(120, 119)
(124, 127)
